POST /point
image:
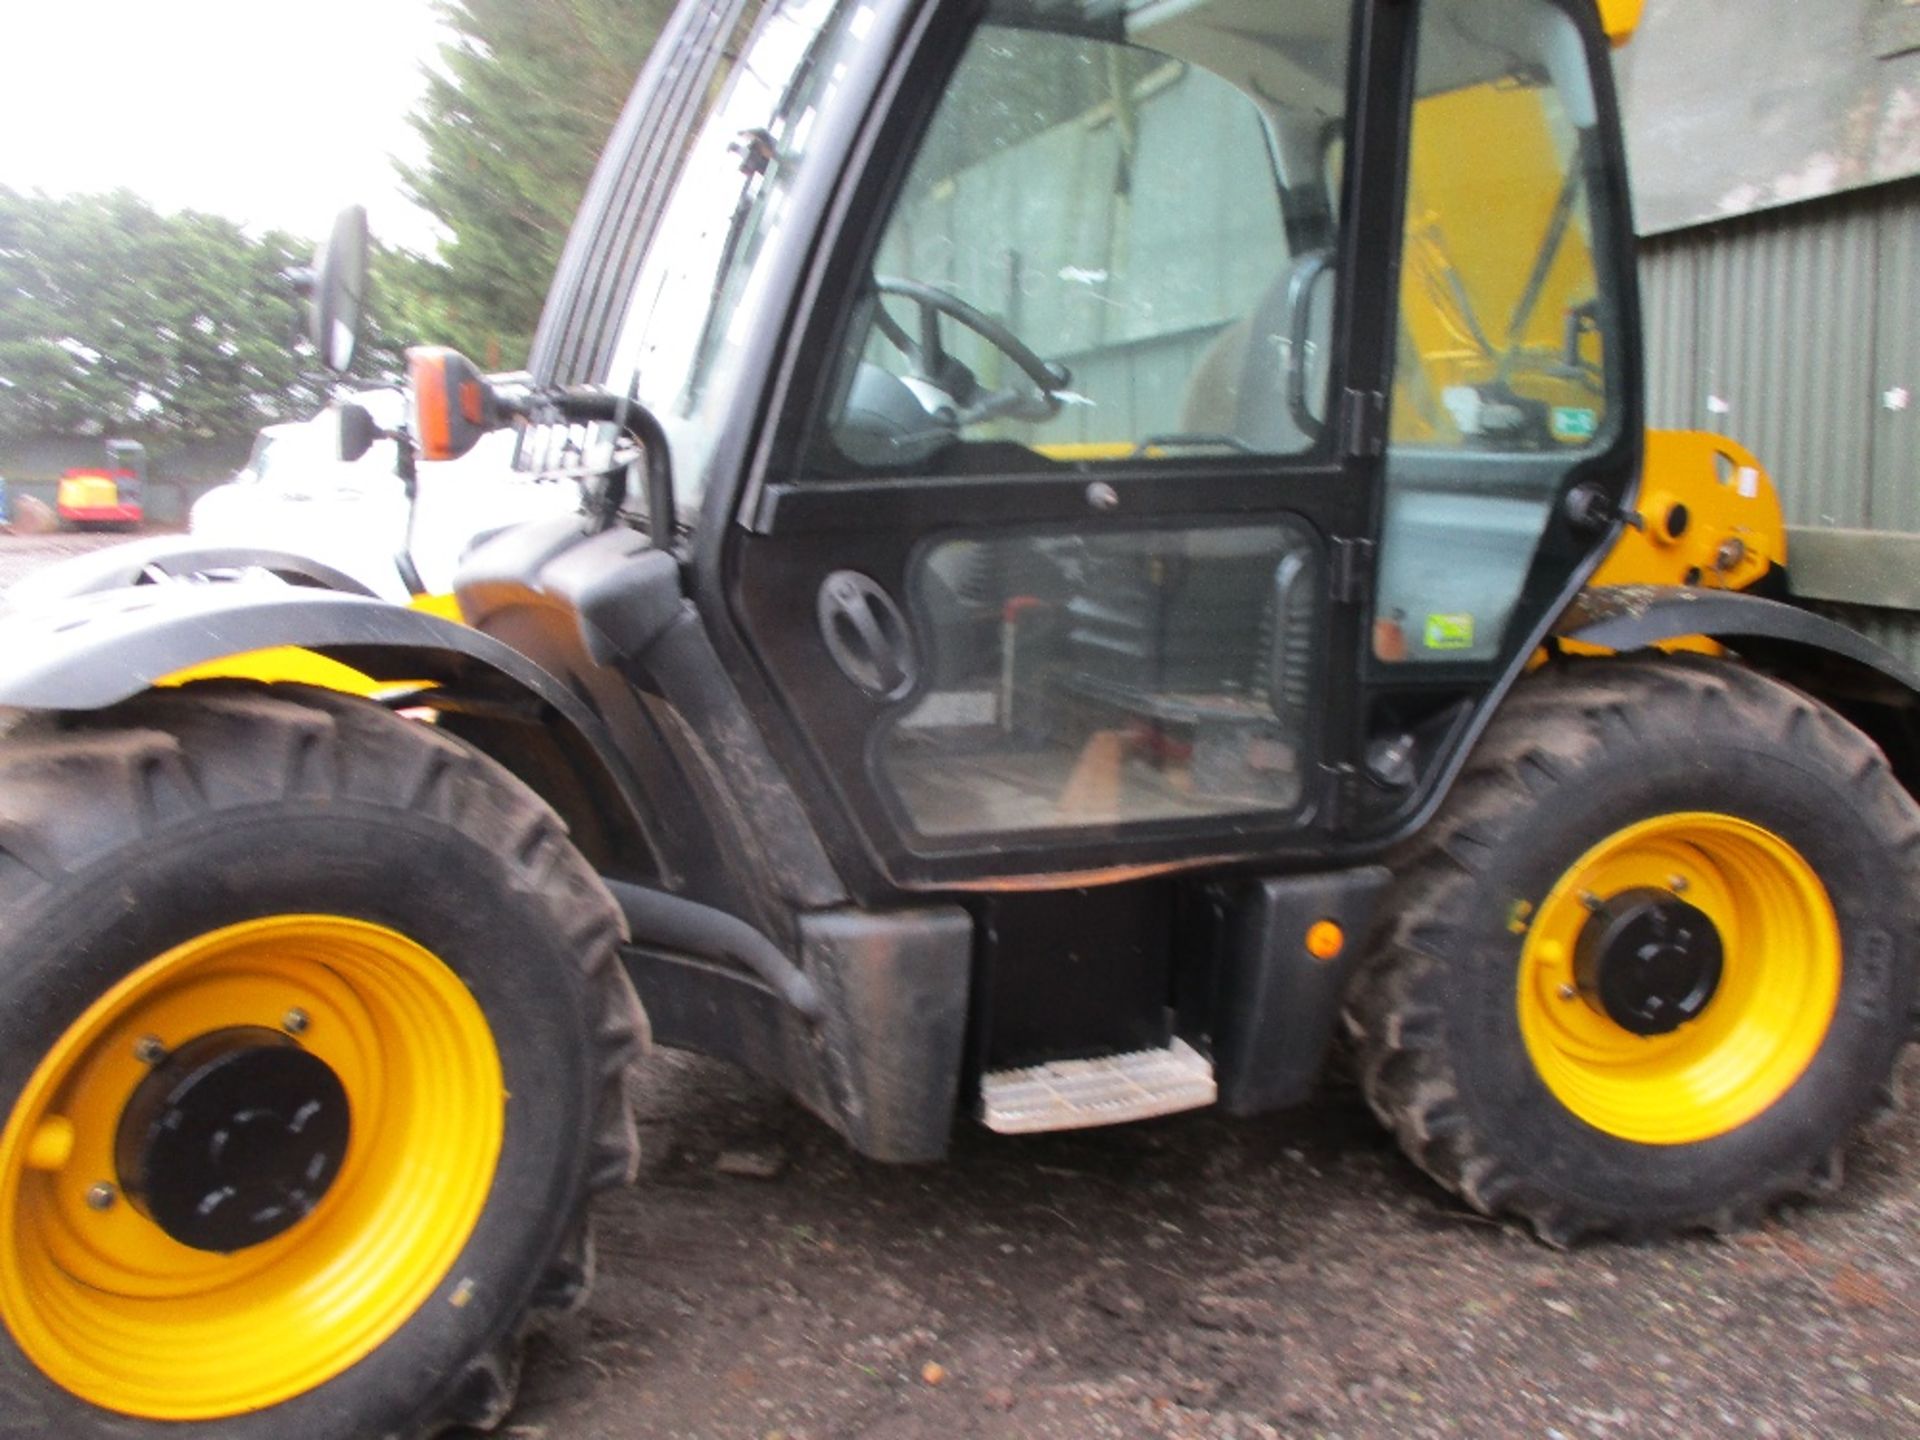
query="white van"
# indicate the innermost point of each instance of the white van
(296, 494)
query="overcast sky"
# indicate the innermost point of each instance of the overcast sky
(274, 112)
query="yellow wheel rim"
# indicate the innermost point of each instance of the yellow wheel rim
(120, 1314)
(1765, 1021)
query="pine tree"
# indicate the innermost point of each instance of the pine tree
(514, 118)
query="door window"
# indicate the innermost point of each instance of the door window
(1503, 382)
(1108, 248)
(1083, 681)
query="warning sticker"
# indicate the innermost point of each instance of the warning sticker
(1573, 425)
(1449, 632)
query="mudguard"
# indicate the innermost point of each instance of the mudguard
(1770, 633)
(91, 651)
(173, 557)
(94, 650)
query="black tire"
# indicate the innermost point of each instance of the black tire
(1580, 753)
(130, 831)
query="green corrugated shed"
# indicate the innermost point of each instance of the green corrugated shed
(1776, 147)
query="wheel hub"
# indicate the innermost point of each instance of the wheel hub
(1648, 961)
(233, 1139)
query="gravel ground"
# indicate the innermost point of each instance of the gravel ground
(1197, 1276)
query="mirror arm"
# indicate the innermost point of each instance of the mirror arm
(586, 405)
(406, 466)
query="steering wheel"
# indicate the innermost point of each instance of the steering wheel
(933, 365)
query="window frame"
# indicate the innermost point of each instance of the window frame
(804, 398)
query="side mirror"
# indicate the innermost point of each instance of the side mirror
(340, 290)
(357, 431)
(453, 403)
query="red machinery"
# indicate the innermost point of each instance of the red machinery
(110, 495)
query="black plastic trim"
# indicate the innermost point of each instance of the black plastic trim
(883, 1064)
(1634, 617)
(1278, 1006)
(174, 557)
(97, 650)
(674, 923)
(608, 613)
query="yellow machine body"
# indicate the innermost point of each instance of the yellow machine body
(286, 664)
(1621, 18)
(1708, 515)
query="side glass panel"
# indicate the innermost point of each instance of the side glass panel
(1503, 383)
(1145, 225)
(703, 274)
(1098, 680)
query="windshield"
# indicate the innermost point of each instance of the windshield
(683, 329)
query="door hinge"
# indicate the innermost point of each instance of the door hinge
(1363, 424)
(1351, 580)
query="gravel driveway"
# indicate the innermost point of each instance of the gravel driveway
(1197, 1277)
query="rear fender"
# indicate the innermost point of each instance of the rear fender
(1767, 632)
(1866, 683)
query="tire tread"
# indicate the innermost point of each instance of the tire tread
(1552, 722)
(171, 756)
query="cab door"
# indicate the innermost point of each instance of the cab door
(1056, 562)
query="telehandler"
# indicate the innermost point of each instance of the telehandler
(1118, 540)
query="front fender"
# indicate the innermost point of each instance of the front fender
(172, 557)
(95, 650)
(92, 651)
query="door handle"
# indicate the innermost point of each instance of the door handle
(867, 635)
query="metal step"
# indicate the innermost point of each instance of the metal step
(1108, 1090)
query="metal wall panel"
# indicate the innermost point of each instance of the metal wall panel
(1896, 406)
(1896, 630)
(1769, 329)
(1786, 327)
(1736, 106)
(1797, 332)
(1667, 289)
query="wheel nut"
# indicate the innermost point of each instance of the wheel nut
(1677, 884)
(1567, 992)
(102, 1196)
(296, 1023)
(148, 1050)
(1590, 900)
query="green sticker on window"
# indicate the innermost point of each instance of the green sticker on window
(1571, 424)
(1449, 632)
